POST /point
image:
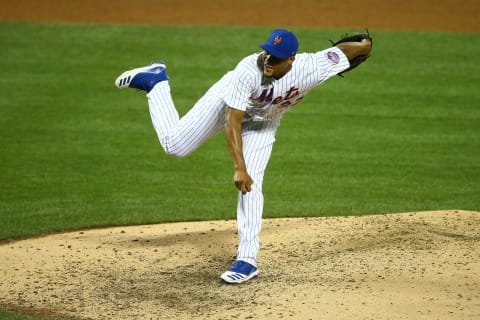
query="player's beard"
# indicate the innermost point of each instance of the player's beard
(268, 71)
(266, 79)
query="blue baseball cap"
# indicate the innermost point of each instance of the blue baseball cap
(281, 44)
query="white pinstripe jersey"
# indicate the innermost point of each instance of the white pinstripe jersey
(242, 88)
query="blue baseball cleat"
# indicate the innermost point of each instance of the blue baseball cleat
(241, 271)
(144, 78)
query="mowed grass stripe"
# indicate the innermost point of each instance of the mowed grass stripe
(400, 133)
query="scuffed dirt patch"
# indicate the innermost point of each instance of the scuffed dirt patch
(402, 266)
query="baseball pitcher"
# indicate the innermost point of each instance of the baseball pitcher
(247, 103)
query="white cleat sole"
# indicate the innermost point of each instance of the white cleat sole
(235, 277)
(123, 81)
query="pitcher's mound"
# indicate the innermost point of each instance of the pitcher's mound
(422, 265)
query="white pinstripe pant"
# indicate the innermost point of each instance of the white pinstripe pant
(180, 137)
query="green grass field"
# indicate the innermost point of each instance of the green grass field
(400, 133)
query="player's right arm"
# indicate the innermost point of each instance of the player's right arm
(233, 133)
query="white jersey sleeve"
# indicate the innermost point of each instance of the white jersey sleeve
(329, 63)
(242, 82)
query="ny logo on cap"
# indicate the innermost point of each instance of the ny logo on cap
(277, 40)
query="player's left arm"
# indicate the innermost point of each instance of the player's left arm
(356, 48)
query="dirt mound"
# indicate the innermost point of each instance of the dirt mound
(412, 265)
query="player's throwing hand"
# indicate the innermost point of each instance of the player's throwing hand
(243, 181)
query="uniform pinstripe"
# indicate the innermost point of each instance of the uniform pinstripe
(264, 106)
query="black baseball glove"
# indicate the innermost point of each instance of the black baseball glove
(358, 37)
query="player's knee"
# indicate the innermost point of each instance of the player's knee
(175, 152)
(172, 148)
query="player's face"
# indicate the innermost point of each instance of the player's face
(276, 67)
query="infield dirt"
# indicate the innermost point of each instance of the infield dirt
(439, 15)
(422, 265)
(401, 266)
